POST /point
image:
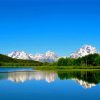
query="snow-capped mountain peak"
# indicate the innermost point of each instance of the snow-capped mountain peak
(46, 57)
(50, 54)
(19, 55)
(83, 51)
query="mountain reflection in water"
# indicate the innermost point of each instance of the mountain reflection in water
(86, 79)
(37, 75)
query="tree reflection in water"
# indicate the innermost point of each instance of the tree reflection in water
(86, 79)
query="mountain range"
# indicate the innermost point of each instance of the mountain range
(46, 57)
(51, 56)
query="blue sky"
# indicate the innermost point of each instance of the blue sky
(61, 26)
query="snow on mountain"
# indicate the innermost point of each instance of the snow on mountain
(83, 51)
(46, 57)
(51, 56)
(19, 55)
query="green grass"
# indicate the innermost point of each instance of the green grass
(59, 68)
(66, 67)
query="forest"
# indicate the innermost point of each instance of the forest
(89, 60)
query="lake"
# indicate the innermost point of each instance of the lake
(28, 84)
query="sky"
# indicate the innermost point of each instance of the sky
(36, 26)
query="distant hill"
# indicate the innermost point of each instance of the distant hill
(8, 61)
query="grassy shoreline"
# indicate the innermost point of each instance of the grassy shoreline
(65, 68)
(62, 68)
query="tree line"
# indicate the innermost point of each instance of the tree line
(89, 60)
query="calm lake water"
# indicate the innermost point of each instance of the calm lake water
(25, 84)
